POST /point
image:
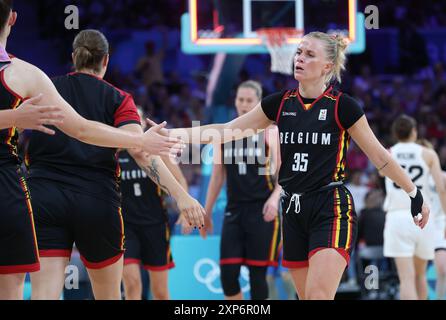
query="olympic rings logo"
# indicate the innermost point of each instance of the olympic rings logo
(207, 272)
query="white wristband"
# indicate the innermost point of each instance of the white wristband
(413, 193)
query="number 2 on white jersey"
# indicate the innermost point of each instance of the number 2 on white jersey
(415, 173)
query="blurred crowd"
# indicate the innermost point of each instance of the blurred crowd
(113, 14)
(423, 14)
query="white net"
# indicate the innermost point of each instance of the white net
(281, 51)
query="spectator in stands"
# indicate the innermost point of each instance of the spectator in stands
(371, 220)
(150, 67)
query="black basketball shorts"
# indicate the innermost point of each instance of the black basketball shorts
(148, 245)
(65, 217)
(18, 244)
(318, 220)
(247, 239)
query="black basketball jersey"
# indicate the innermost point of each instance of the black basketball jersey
(142, 202)
(8, 137)
(247, 167)
(313, 137)
(86, 168)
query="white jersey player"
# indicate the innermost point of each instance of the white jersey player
(411, 247)
(438, 217)
(439, 222)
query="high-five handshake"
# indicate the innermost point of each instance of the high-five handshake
(155, 142)
(33, 115)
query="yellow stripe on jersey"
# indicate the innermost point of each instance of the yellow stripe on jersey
(169, 252)
(338, 218)
(27, 159)
(30, 212)
(122, 229)
(330, 97)
(12, 131)
(272, 252)
(349, 222)
(343, 161)
(269, 181)
(340, 156)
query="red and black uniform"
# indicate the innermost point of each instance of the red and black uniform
(147, 234)
(246, 237)
(318, 211)
(76, 192)
(18, 245)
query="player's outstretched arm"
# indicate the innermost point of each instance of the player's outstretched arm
(31, 115)
(244, 126)
(92, 132)
(387, 166)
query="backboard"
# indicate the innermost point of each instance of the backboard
(213, 26)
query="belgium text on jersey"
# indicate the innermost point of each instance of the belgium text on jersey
(305, 138)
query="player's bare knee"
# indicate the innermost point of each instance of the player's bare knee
(160, 293)
(132, 282)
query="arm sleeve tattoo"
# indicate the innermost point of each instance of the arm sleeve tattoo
(152, 171)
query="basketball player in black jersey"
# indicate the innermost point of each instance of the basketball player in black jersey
(251, 229)
(84, 206)
(315, 123)
(147, 234)
(20, 80)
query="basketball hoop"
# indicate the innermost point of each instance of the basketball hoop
(280, 49)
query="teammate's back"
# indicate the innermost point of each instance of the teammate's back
(61, 155)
